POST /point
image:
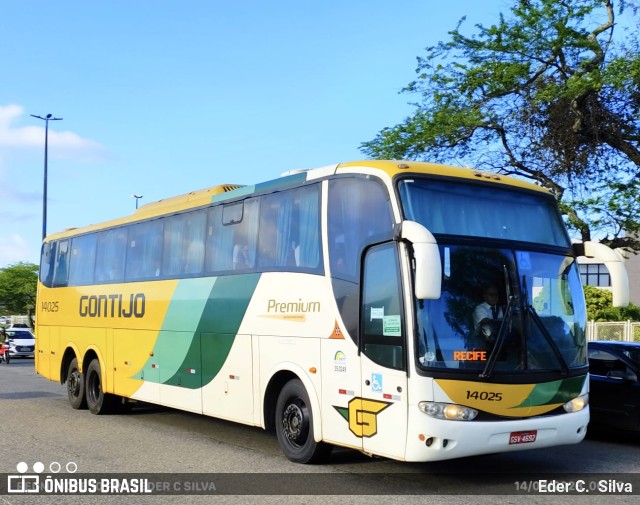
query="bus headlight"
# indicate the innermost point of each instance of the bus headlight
(577, 404)
(448, 411)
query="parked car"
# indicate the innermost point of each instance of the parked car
(614, 390)
(22, 342)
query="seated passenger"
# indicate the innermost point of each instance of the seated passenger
(240, 257)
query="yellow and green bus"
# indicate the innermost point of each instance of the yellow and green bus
(335, 306)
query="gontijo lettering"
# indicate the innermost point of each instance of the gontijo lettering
(114, 305)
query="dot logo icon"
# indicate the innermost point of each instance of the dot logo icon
(27, 480)
(25, 483)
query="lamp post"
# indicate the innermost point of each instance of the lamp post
(49, 117)
(137, 197)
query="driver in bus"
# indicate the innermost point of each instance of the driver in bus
(487, 313)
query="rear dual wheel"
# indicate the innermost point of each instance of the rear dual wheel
(85, 390)
(98, 402)
(75, 386)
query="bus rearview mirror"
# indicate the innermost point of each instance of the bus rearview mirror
(428, 268)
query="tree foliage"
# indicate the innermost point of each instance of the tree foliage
(550, 93)
(600, 307)
(18, 285)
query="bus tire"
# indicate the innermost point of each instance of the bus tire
(294, 425)
(98, 401)
(75, 386)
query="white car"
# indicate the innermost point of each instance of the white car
(22, 343)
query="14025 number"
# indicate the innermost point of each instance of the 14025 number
(488, 396)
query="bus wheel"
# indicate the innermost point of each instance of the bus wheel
(75, 386)
(97, 401)
(294, 425)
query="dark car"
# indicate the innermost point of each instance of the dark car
(614, 390)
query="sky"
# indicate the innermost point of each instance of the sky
(159, 97)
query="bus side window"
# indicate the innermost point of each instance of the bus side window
(382, 321)
(184, 244)
(219, 246)
(268, 233)
(359, 214)
(231, 235)
(307, 247)
(194, 240)
(144, 251)
(61, 272)
(47, 263)
(83, 258)
(289, 231)
(110, 255)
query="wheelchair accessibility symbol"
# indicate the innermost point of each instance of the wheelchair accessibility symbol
(376, 382)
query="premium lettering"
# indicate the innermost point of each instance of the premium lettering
(292, 307)
(114, 305)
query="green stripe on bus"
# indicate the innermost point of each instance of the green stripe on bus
(569, 389)
(554, 392)
(280, 183)
(179, 326)
(218, 325)
(222, 318)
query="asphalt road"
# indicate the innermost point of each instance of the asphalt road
(39, 426)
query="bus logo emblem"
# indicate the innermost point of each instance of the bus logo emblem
(362, 415)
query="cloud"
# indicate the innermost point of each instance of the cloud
(66, 144)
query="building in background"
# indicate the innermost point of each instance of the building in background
(593, 273)
(632, 264)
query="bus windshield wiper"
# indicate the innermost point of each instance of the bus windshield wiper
(499, 344)
(502, 332)
(545, 333)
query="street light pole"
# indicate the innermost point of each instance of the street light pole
(137, 197)
(46, 120)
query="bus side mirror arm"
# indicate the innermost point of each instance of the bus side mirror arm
(428, 268)
(614, 262)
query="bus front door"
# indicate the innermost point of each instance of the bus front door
(382, 415)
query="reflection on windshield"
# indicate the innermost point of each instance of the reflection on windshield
(450, 208)
(503, 310)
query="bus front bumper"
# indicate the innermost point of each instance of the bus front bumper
(434, 439)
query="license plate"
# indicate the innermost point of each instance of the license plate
(523, 437)
(24, 349)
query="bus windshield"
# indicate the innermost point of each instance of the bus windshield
(473, 210)
(503, 310)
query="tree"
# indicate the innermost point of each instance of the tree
(18, 284)
(550, 93)
(600, 306)
(598, 300)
